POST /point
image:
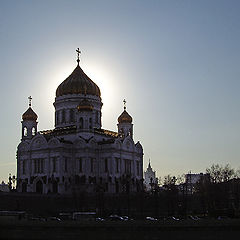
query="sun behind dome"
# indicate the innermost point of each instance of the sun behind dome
(78, 155)
(78, 83)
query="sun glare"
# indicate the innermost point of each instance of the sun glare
(104, 80)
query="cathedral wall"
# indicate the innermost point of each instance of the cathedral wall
(106, 163)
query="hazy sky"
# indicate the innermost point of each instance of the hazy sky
(175, 62)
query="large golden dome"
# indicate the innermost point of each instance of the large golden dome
(29, 115)
(78, 83)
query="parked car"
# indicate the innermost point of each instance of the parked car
(115, 218)
(151, 219)
(54, 219)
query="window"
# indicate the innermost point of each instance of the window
(90, 123)
(56, 117)
(96, 117)
(41, 165)
(106, 165)
(33, 131)
(106, 187)
(117, 165)
(80, 164)
(121, 132)
(72, 115)
(25, 131)
(54, 164)
(91, 164)
(138, 170)
(81, 123)
(38, 165)
(117, 187)
(35, 166)
(23, 166)
(130, 132)
(65, 164)
(63, 116)
(127, 166)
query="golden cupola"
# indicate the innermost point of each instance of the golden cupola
(29, 115)
(124, 117)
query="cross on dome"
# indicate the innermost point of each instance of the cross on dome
(78, 53)
(30, 101)
(124, 104)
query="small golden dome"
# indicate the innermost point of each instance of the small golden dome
(84, 105)
(29, 115)
(78, 83)
(124, 117)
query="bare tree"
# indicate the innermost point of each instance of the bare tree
(180, 179)
(218, 173)
(237, 173)
(169, 180)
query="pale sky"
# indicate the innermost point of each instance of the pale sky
(175, 62)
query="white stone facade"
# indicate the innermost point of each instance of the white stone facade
(78, 155)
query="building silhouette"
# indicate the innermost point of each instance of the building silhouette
(150, 179)
(78, 154)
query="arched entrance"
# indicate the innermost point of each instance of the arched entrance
(24, 187)
(39, 187)
(55, 187)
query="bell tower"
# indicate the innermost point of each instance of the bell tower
(125, 126)
(29, 122)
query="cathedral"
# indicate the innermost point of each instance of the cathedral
(78, 154)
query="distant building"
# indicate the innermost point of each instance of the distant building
(150, 177)
(78, 154)
(191, 179)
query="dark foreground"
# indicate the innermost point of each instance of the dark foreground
(185, 229)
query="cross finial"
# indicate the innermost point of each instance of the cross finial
(124, 104)
(78, 52)
(30, 101)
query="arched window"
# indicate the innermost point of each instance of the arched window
(23, 167)
(55, 187)
(25, 131)
(33, 131)
(72, 115)
(81, 123)
(39, 187)
(57, 117)
(24, 187)
(96, 117)
(63, 116)
(121, 132)
(90, 123)
(106, 164)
